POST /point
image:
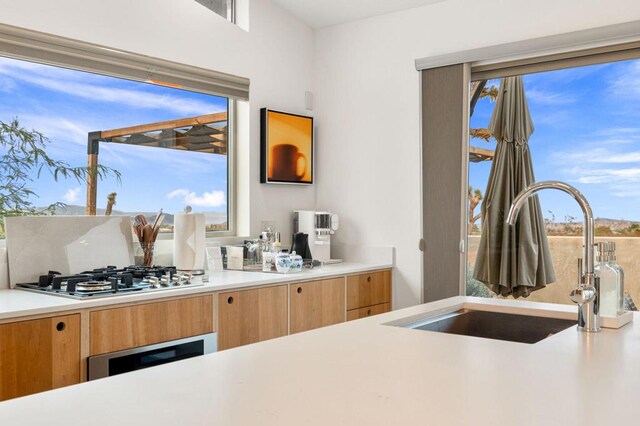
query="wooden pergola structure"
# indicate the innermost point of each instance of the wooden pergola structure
(205, 133)
(477, 155)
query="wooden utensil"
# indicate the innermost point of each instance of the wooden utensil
(155, 221)
(147, 234)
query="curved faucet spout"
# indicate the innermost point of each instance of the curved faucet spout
(587, 294)
(520, 199)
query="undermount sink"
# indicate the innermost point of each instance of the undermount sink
(493, 325)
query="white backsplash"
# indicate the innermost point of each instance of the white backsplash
(362, 254)
(68, 244)
(4, 269)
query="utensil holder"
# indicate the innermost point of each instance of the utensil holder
(145, 254)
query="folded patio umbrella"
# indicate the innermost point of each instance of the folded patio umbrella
(512, 260)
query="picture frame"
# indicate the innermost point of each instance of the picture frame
(286, 148)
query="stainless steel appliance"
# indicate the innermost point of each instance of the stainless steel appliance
(111, 281)
(134, 359)
(319, 226)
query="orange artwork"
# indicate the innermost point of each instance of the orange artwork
(288, 147)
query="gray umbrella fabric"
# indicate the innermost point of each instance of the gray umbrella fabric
(512, 260)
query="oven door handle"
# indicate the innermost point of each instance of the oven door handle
(98, 365)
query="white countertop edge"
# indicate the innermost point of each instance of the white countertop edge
(15, 304)
(362, 373)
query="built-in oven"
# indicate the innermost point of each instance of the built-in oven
(128, 360)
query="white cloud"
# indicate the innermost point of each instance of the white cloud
(207, 199)
(7, 85)
(607, 176)
(57, 128)
(626, 83)
(597, 156)
(549, 98)
(72, 195)
(88, 86)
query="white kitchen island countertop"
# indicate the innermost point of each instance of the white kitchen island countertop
(19, 303)
(367, 373)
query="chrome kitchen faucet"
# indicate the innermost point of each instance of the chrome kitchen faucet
(587, 293)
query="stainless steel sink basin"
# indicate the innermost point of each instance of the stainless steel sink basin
(493, 325)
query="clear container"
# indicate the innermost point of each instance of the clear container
(267, 261)
(620, 277)
(144, 254)
(608, 282)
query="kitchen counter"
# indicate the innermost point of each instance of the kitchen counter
(20, 303)
(367, 373)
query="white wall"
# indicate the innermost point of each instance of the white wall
(367, 107)
(276, 54)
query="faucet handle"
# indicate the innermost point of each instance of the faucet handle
(582, 295)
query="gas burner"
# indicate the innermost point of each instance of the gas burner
(94, 286)
(112, 281)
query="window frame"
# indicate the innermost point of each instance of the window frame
(33, 46)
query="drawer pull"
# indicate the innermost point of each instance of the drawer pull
(60, 326)
(368, 311)
(230, 300)
(299, 290)
(369, 279)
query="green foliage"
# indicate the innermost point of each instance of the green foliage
(480, 91)
(23, 154)
(476, 288)
(632, 230)
(604, 231)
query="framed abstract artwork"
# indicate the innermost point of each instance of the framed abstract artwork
(286, 148)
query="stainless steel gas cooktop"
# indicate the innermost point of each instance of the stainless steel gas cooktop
(112, 281)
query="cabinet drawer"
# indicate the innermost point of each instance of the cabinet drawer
(368, 289)
(368, 311)
(140, 325)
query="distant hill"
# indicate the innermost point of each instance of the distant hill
(614, 224)
(75, 210)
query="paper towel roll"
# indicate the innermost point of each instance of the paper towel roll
(188, 241)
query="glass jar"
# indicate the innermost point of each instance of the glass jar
(145, 254)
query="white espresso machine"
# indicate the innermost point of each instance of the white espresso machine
(319, 226)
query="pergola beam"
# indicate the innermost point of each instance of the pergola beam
(165, 125)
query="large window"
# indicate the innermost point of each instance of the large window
(587, 134)
(167, 148)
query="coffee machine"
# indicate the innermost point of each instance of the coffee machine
(319, 226)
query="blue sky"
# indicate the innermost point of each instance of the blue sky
(587, 133)
(65, 105)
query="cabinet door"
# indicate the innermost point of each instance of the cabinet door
(250, 316)
(317, 304)
(368, 289)
(368, 311)
(39, 355)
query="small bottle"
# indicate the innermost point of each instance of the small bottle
(267, 261)
(277, 245)
(620, 277)
(608, 282)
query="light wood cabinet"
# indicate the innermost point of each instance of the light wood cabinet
(39, 355)
(317, 304)
(368, 311)
(140, 325)
(250, 316)
(368, 289)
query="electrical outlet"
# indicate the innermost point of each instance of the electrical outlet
(265, 224)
